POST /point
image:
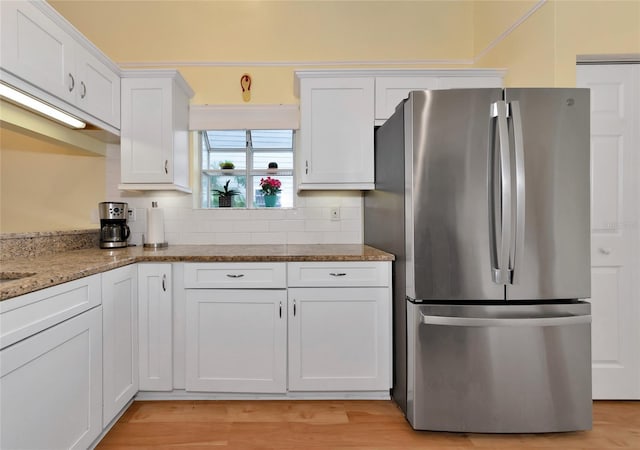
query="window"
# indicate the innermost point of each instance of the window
(236, 161)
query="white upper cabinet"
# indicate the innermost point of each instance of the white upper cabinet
(394, 86)
(336, 140)
(98, 92)
(46, 57)
(155, 131)
(339, 109)
(390, 91)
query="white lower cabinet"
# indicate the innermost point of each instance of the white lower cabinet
(120, 339)
(339, 339)
(155, 326)
(51, 386)
(329, 331)
(236, 340)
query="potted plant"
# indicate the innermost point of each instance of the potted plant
(227, 165)
(225, 195)
(270, 189)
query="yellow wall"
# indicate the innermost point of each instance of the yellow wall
(542, 51)
(283, 34)
(46, 187)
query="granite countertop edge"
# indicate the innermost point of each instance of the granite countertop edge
(67, 266)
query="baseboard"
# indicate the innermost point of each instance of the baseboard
(180, 394)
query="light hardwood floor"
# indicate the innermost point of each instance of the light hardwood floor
(336, 425)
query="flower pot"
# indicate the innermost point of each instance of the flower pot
(270, 200)
(224, 202)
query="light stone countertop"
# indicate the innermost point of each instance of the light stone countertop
(58, 268)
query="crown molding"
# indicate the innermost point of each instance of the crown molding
(326, 63)
(509, 30)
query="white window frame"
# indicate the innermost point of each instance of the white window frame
(237, 117)
(249, 171)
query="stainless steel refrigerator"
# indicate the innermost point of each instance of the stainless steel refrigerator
(483, 196)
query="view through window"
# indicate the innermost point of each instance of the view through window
(235, 161)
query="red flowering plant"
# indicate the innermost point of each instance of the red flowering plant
(270, 186)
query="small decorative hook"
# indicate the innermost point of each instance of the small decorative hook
(245, 84)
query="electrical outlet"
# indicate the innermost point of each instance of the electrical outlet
(132, 215)
(334, 213)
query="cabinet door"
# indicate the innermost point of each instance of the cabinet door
(146, 130)
(51, 386)
(120, 339)
(37, 50)
(236, 340)
(390, 91)
(339, 339)
(155, 327)
(337, 133)
(98, 92)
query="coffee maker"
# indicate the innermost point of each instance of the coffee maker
(114, 231)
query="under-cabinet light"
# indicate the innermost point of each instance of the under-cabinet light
(22, 99)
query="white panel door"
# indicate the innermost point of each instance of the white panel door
(339, 339)
(155, 322)
(146, 130)
(615, 222)
(99, 90)
(236, 340)
(51, 387)
(37, 50)
(120, 339)
(337, 132)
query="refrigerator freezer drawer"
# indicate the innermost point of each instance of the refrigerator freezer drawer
(497, 369)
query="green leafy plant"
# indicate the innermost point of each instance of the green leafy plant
(225, 191)
(227, 165)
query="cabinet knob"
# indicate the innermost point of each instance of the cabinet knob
(232, 275)
(166, 166)
(72, 83)
(294, 307)
(164, 282)
(83, 90)
(604, 251)
(281, 310)
(337, 274)
(306, 167)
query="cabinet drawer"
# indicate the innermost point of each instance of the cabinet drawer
(23, 316)
(334, 274)
(235, 275)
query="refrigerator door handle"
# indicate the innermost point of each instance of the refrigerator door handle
(517, 247)
(506, 322)
(500, 272)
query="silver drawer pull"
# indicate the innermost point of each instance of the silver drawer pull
(505, 322)
(230, 275)
(337, 274)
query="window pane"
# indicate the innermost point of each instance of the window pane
(271, 138)
(238, 159)
(261, 159)
(225, 139)
(237, 183)
(251, 152)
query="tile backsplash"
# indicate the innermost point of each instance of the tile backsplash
(308, 223)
